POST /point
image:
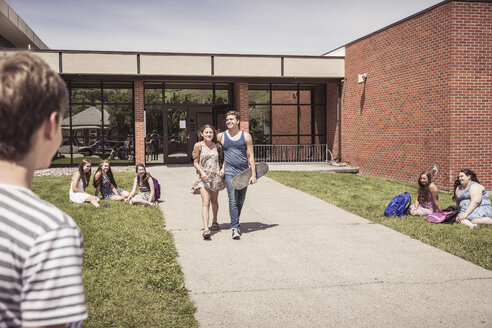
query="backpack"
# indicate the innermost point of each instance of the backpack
(399, 205)
(157, 187)
(447, 215)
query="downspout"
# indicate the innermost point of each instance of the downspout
(339, 125)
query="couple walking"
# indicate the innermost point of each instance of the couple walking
(219, 157)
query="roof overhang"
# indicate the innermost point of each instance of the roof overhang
(16, 31)
(185, 64)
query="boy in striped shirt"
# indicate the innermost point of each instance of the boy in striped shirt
(40, 246)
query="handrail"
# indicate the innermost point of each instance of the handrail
(311, 153)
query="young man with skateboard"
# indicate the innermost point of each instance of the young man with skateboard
(40, 246)
(238, 156)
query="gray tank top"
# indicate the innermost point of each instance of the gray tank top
(235, 157)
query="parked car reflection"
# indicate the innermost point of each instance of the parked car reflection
(99, 150)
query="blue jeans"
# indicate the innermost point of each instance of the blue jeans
(236, 201)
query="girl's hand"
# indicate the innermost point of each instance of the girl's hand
(203, 175)
(461, 217)
(222, 172)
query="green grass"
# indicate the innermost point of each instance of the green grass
(131, 276)
(369, 196)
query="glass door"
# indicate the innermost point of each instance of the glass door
(176, 135)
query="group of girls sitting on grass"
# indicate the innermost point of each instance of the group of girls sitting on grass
(105, 183)
(471, 197)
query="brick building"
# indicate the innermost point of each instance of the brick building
(427, 98)
(425, 101)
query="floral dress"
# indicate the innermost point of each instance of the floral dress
(106, 190)
(144, 190)
(425, 208)
(209, 162)
(482, 210)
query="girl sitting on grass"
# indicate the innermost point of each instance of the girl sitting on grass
(145, 184)
(473, 199)
(105, 183)
(427, 200)
(80, 181)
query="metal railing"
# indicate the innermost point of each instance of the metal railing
(292, 153)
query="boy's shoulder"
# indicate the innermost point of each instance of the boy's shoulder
(30, 209)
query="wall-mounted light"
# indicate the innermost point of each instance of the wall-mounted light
(361, 77)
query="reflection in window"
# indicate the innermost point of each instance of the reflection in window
(100, 119)
(287, 113)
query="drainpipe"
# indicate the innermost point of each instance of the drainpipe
(339, 125)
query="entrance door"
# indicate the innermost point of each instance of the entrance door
(176, 135)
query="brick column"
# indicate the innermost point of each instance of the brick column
(241, 104)
(139, 122)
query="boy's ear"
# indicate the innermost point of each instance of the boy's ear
(51, 125)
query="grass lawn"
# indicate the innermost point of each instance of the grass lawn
(131, 276)
(369, 196)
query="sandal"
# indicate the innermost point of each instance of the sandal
(215, 226)
(206, 234)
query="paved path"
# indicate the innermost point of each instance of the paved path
(304, 263)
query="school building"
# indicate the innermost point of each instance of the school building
(409, 97)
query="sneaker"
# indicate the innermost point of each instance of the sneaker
(236, 234)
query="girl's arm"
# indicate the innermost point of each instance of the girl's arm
(75, 182)
(416, 204)
(196, 160)
(435, 196)
(152, 190)
(475, 200)
(98, 188)
(130, 196)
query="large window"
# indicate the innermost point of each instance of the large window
(194, 103)
(98, 124)
(287, 113)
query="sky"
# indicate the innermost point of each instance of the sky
(270, 27)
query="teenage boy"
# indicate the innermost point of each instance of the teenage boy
(238, 153)
(40, 246)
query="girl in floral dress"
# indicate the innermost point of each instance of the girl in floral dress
(104, 182)
(209, 178)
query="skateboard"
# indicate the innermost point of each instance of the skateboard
(241, 180)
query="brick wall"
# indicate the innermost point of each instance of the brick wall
(420, 92)
(139, 122)
(471, 89)
(241, 104)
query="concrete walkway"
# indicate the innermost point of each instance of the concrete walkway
(304, 263)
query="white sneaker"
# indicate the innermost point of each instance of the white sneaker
(235, 234)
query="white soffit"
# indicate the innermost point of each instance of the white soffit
(175, 65)
(51, 58)
(247, 66)
(85, 63)
(314, 67)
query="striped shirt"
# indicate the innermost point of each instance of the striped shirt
(40, 262)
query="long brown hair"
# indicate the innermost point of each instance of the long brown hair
(146, 176)
(423, 192)
(86, 177)
(98, 183)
